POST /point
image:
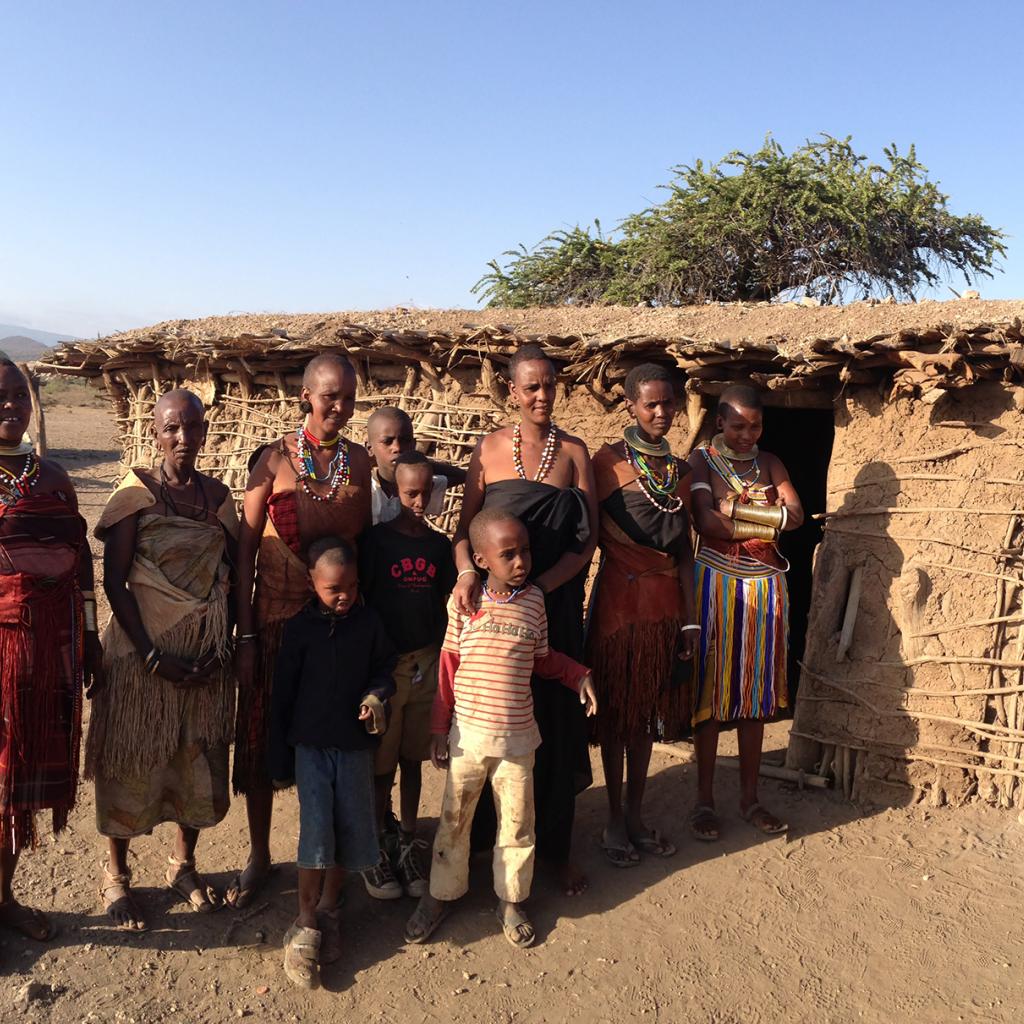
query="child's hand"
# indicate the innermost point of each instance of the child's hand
(439, 751)
(365, 713)
(373, 716)
(588, 695)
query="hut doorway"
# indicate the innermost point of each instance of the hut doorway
(802, 439)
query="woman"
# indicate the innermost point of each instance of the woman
(742, 500)
(312, 483)
(161, 726)
(48, 643)
(641, 633)
(543, 476)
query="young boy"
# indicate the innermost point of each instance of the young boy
(332, 679)
(407, 573)
(483, 726)
(389, 434)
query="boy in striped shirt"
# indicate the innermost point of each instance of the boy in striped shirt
(483, 726)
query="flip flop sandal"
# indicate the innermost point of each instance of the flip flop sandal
(427, 925)
(302, 956)
(511, 927)
(22, 919)
(245, 895)
(766, 820)
(652, 843)
(190, 886)
(619, 856)
(122, 884)
(706, 816)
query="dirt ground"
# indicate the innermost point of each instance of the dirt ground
(859, 914)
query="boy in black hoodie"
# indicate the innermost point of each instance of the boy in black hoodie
(331, 682)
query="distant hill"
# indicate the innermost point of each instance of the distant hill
(46, 338)
(22, 349)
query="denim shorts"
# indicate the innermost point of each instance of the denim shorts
(337, 823)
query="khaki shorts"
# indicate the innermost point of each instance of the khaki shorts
(408, 735)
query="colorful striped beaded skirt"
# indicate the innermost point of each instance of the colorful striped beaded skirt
(744, 615)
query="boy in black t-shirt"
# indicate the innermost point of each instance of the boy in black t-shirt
(407, 572)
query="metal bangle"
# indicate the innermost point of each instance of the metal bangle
(466, 572)
(692, 625)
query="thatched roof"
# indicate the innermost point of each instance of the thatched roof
(925, 345)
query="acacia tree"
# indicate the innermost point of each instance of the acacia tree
(820, 221)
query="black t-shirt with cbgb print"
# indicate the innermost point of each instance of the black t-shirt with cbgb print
(408, 580)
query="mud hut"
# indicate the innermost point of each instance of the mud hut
(901, 426)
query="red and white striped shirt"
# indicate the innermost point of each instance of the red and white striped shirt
(487, 660)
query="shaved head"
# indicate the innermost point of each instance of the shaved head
(387, 414)
(325, 361)
(739, 396)
(179, 398)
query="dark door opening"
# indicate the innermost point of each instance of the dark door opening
(802, 439)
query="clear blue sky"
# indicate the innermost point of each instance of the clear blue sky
(179, 159)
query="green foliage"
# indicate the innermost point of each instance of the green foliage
(567, 266)
(820, 221)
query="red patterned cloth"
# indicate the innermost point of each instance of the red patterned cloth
(41, 542)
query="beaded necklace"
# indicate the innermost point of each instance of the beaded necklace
(547, 455)
(338, 474)
(664, 501)
(509, 595)
(14, 488)
(658, 490)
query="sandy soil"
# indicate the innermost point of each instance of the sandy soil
(859, 915)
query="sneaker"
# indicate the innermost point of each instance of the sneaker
(409, 868)
(380, 881)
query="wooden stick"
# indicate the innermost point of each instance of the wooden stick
(950, 453)
(973, 624)
(917, 539)
(935, 477)
(908, 755)
(988, 730)
(971, 572)
(695, 415)
(850, 617)
(37, 409)
(768, 771)
(951, 659)
(881, 510)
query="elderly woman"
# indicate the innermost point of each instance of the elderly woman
(48, 642)
(642, 633)
(543, 476)
(161, 726)
(311, 483)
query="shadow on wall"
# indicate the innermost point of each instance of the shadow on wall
(847, 720)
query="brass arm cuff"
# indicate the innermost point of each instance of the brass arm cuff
(767, 515)
(752, 531)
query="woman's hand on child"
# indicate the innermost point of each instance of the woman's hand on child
(439, 751)
(588, 695)
(467, 594)
(183, 673)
